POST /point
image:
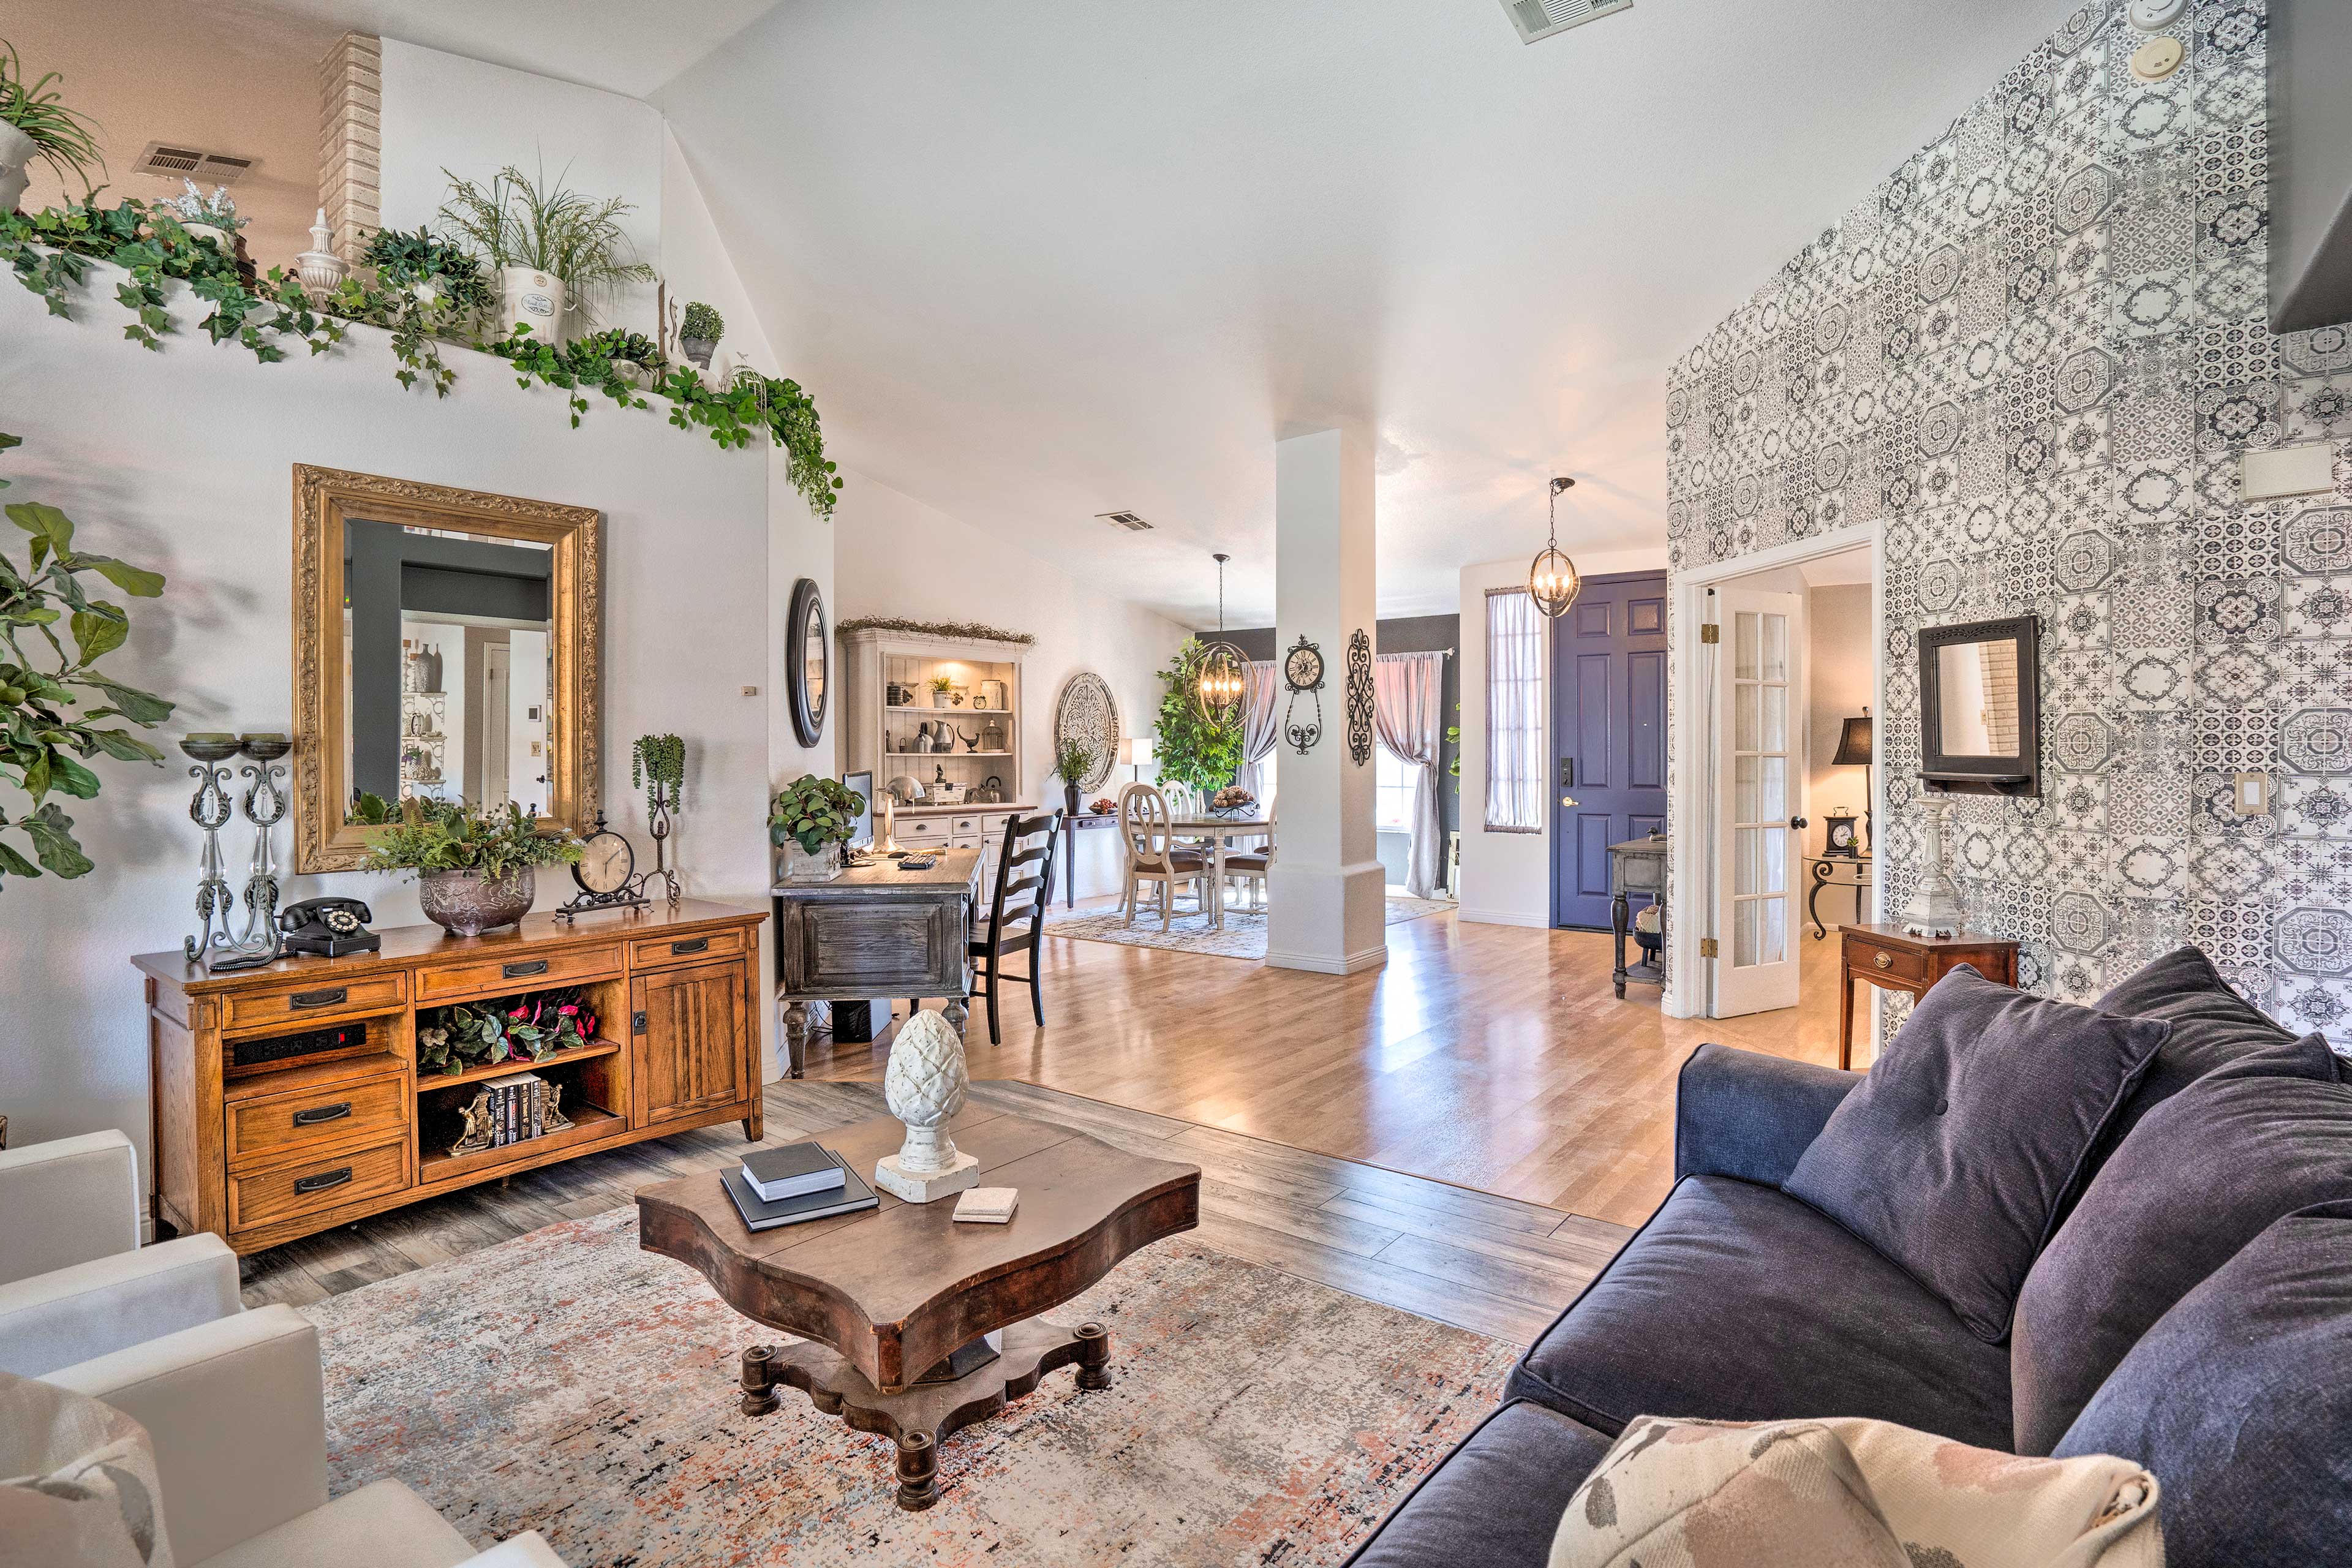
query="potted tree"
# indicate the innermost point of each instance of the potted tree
(809, 820)
(475, 871)
(555, 249)
(35, 127)
(698, 333)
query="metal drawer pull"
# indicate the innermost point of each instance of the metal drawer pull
(700, 945)
(322, 1180)
(1886, 960)
(333, 998)
(313, 1115)
(517, 971)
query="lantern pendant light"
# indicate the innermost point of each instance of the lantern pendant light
(1220, 679)
(1552, 580)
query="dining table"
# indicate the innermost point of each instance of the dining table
(1220, 832)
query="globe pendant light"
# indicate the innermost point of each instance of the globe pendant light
(1221, 679)
(1553, 581)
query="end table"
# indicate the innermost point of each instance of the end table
(1882, 956)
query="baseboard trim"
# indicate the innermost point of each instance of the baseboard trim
(1315, 964)
(1501, 917)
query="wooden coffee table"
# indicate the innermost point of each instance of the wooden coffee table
(921, 1326)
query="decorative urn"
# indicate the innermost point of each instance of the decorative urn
(322, 271)
(468, 903)
(925, 1086)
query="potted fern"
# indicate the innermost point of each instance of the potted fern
(475, 871)
(556, 250)
(698, 333)
(35, 127)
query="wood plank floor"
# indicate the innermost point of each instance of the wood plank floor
(1490, 1057)
(1495, 1264)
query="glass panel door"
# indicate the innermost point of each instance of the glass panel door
(1760, 744)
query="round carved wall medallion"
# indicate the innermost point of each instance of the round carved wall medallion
(1088, 714)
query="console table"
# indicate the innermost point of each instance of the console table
(874, 931)
(1085, 821)
(1636, 866)
(1882, 956)
(286, 1098)
(1824, 874)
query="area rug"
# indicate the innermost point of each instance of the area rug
(1243, 935)
(568, 1383)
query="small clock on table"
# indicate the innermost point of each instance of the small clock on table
(1844, 835)
(605, 872)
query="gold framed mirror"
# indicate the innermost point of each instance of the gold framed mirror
(445, 645)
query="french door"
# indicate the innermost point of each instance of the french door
(1760, 749)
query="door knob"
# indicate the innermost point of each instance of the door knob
(1796, 822)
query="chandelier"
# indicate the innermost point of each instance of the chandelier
(1220, 677)
(1552, 580)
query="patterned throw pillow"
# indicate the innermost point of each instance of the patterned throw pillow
(1857, 1493)
(79, 1484)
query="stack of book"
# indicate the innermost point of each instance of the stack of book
(518, 1108)
(792, 1183)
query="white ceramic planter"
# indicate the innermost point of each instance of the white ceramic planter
(800, 866)
(214, 232)
(534, 298)
(17, 150)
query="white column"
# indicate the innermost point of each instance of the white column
(1325, 892)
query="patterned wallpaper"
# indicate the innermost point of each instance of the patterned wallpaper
(2037, 352)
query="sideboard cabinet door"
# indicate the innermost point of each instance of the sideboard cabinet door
(688, 1052)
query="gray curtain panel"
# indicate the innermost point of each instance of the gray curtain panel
(1409, 715)
(1261, 724)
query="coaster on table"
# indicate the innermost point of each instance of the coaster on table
(987, 1206)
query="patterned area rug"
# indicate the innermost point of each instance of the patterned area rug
(1243, 937)
(567, 1381)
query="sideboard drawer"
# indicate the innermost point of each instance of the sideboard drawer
(524, 971)
(312, 1000)
(280, 1124)
(913, 830)
(1895, 963)
(330, 1182)
(650, 952)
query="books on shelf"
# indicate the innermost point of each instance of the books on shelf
(517, 1109)
(758, 1214)
(790, 1170)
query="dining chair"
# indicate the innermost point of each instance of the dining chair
(1251, 866)
(1147, 833)
(1019, 900)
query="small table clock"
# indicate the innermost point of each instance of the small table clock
(1844, 834)
(606, 874)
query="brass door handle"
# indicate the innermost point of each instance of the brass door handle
(1885, 960)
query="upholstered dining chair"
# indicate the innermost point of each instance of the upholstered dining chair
(1250, 866)
(1147, 833)
(1020, 900)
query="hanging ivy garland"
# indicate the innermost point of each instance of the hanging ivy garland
(50, 252)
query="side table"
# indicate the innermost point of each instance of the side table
(1636, 866)
(1882, 956)
(1071, 827)
(1825, 873)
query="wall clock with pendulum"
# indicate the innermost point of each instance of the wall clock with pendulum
(605, 873)
(1302, 671)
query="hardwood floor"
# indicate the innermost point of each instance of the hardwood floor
(1489, 1057)
(1494, 1265)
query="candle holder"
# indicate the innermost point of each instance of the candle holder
(210, 810)
(264, 805)
(659, 803)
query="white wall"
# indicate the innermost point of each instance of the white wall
(1506, 877)
(895, 556)
(181, 461)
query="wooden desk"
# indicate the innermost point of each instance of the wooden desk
(1885, 957)
(1072, 826)
(874, 931)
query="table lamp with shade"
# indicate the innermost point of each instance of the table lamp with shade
(1137, 753)
(1853, 752)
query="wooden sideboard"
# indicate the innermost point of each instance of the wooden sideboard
(265, 1152)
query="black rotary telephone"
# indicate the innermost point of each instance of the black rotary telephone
(328, 928)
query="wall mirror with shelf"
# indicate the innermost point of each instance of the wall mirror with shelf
(445, 648)
(1981, 707)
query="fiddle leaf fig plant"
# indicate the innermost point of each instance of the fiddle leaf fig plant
(56, 707)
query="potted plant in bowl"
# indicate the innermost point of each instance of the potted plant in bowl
(444, 279)
(698, 333)
(1073, 760)
(942, 692)
(809, 820)
(35, 127)
(555, 249)
(476, 871)
(212, 217)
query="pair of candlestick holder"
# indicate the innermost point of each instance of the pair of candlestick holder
(264, 805)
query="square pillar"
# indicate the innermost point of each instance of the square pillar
(1325, 892)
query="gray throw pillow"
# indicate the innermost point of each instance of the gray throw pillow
(2207, 1172)
(2237, 1401)
(1957, 1153)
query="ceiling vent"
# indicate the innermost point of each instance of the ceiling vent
(1126, 520)
(168, 161)
(1541, 19)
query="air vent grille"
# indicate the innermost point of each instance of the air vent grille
(169, 161)
(1126, 520)
(1541, 19)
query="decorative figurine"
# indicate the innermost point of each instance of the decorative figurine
(926, 1085)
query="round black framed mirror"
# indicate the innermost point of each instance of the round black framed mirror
(808, 661)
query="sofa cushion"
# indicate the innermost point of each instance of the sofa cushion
(2213, 1028)
(1739, 1303)
(2207, 1172)
(382, 1525)
(1496, 1500)
(2238, 1402)
(1957, 1153)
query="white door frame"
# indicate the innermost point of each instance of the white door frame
(1690, 916)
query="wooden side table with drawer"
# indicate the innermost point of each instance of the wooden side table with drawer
(1884, 956)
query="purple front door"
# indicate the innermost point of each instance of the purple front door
(1609, 736)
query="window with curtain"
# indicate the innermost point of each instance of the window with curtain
(1515, 770)
(1393, 785)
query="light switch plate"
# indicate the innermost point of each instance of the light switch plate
(2302, 470)
(2250, 794)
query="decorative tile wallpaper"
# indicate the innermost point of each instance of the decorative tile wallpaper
(2037, 352)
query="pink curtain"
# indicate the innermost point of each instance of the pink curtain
(1261, 725)
(1407, 711)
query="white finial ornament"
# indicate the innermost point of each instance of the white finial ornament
(322, 271)
(926, 1086)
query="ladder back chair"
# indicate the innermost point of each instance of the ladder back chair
(1148, 835)
(1024, 876)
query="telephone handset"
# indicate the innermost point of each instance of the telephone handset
(328, 928)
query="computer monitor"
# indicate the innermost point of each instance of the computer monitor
(861, 835)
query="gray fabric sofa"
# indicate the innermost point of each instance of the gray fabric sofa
(1737, 1301)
